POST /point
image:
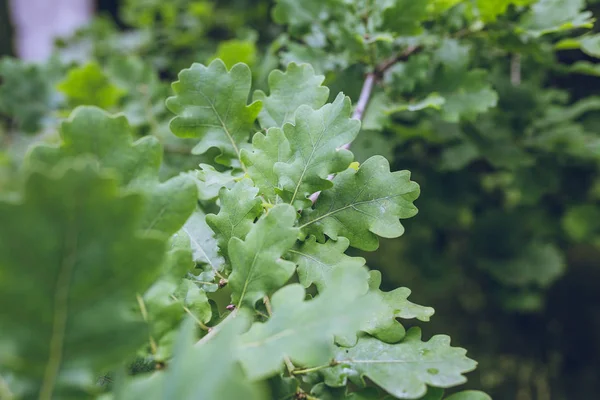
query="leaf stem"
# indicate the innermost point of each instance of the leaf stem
(268, 305)
(191, 314)
(61, 312)
(144, 312)
(314, 369)
(289, 365)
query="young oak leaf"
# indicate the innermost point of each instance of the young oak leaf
(78, 242)
(89, 85)
(404, 369)
(383, 324)
(203, 242)
(210, 104)
(289, 90)
(256, 265)
(317, 262)
(209, 181)
(90, 130)
(267, 150)
(304, 331)
(363, 204)
(239, 208)
(315, 142)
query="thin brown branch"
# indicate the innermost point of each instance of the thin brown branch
(367, 91)
(389, 63)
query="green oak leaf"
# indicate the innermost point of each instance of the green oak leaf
(490, 10)
(25, 93)
(304, 331)
(539, 264)
(236, 51)
(74, 238)
(317, 262)
(209, 181)
(89, 85)
(315, 142)
(473, 96)
(168, 300)
(211, 105)
(363, 204)
(295, 14)
(89, 130)
(206, 370)
(239, 208)
(548, 16)
(433, 393)
(582, 222)
(143, 103)
(469, 395)
(267, 150)
(384, 325)
(256, 265)
(591, 45)
(404, 17)
(398, 300)
(404, 369)
(204, 245)
(289, 90)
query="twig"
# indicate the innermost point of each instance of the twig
(515, 69)
(384, 66)
(365, 95)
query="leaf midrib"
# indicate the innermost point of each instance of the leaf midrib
(348, 206)
(61, 300)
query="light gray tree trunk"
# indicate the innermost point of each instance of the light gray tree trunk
(39, 22)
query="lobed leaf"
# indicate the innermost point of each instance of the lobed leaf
(317, 262)
(72, 249)
(256, 265)
(304, 331)
(211, 105)
(267, 150)
(297, 86)
(315, 142)
(89, 85)
(203, 242)
(548, 16)
(239, 208)
(383, 324)
(404, 369)
(363, 204)
(108, 138)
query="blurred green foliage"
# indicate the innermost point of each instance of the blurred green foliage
(495, 111)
